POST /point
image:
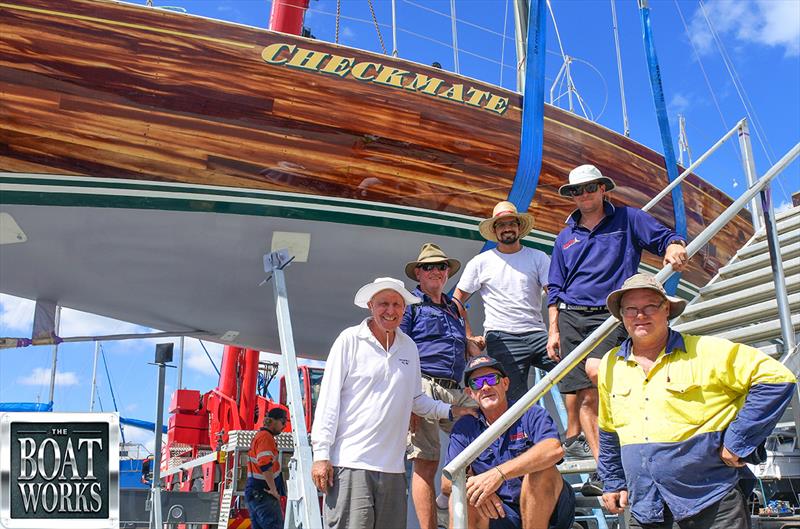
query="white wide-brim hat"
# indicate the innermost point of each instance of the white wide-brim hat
(366, 292)
(583, 174)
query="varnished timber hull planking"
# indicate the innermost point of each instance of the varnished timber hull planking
(105, 89)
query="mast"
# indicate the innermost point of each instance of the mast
(521, 31)
(287, 16)
(625, 124)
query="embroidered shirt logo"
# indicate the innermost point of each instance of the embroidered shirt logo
(403, 361)
(570, 242)
(517, 436)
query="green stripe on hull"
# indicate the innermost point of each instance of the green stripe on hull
(99, 193)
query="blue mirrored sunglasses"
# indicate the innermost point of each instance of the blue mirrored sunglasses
(490, 380)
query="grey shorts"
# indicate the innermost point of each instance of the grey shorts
(424, 442)
(365, 499)
(518, 353)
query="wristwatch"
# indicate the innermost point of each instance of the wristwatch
(678, 241)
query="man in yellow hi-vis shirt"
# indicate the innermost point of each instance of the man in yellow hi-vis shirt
(680, 416)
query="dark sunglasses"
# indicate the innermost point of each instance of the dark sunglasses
(490, 380)
(434, 266)
(578, 190)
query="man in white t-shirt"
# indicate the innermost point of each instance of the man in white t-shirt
(511, 279)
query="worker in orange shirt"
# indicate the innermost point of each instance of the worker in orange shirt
(261, 491)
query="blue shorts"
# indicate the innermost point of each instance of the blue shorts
(562, 518)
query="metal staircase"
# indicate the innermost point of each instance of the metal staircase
(739, 303)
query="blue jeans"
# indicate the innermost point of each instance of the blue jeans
(265, 509)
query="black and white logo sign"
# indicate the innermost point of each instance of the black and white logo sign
(59, 470)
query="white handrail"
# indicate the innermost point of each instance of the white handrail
(456, 469)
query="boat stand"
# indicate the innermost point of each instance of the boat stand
(302, 508)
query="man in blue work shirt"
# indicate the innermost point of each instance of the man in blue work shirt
(438, 329)
(513, 484)
(680, 416)
(600, 247)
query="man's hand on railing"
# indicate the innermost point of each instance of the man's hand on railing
(322, 475)
(676, 256)
(616, 502)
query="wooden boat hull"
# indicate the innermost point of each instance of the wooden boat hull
(135, 109)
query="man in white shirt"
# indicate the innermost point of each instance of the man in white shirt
(511, 279)
(371, 386)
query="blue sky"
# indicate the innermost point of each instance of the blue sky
(759, 38)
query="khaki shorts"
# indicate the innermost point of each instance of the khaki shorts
(424, 442)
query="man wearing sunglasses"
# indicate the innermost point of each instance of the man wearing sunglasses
(264, 484)
(680, 416)
(513, 484)
(600, 247)
(439, 330)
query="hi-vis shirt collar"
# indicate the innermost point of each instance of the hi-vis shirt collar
(674, 341)
(573, 219)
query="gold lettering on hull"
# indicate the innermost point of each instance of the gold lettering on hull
(290, 55)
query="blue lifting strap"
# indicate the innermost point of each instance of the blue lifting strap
(530, 144)
(666, 137)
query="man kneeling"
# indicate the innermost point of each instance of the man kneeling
(514, 483)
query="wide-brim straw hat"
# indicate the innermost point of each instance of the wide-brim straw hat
(583, 174)
(431, 253)
(502, 210)
(648, 282)
(366, 292)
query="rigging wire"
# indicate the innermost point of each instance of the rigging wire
(111, 388)
(338, 17)
(749, 109)
(209, 356)
(737, 83)
(625, 124)
(725, 126)
(377, 26)
(503, 43)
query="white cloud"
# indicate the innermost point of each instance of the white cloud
(195, 357)
(77, 323)
(16, 316)
(774, 23)
(41, 376)
(146, 438)
(348, 33)
(678, 104)
(783, 206)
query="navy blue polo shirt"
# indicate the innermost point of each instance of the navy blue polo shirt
(440, 335)
(533, 427)
(587, 265)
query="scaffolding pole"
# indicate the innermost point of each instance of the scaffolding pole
(302, 507)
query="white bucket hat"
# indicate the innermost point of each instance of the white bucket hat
(583, 174)
(647, 282)
(366, 292)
